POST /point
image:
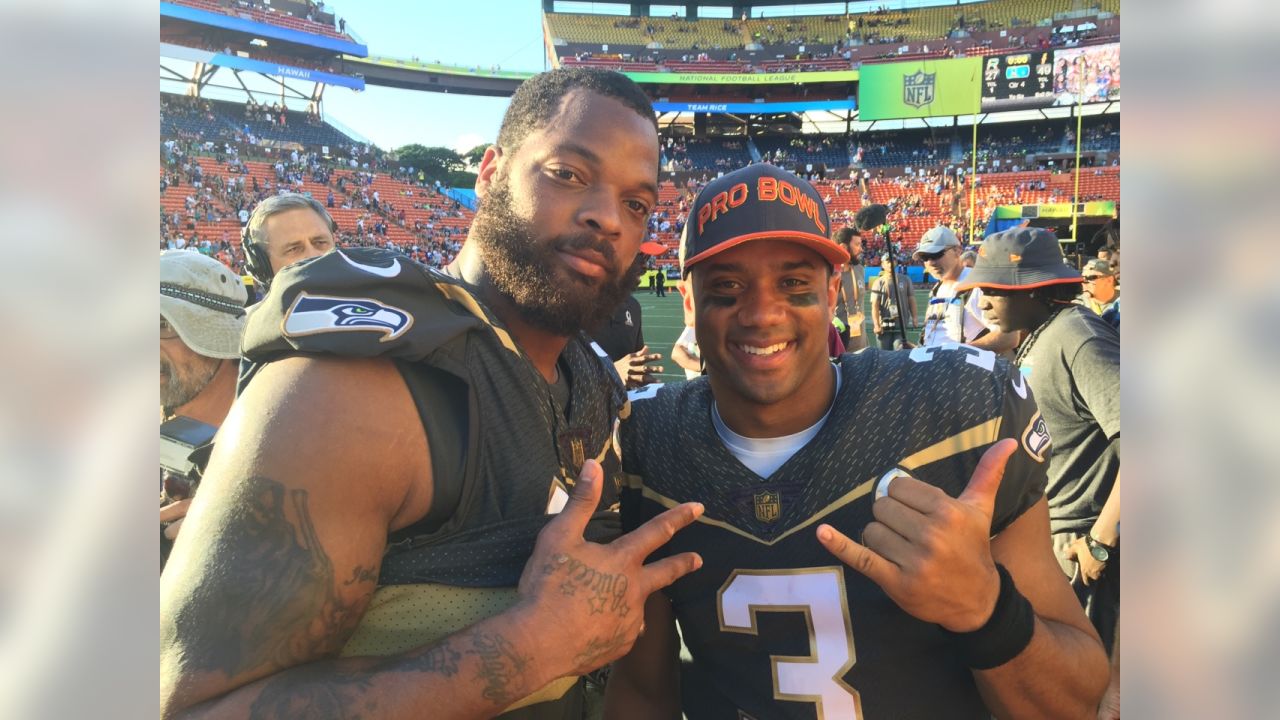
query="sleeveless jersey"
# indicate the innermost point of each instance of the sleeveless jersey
(515, 450)
(777, 626)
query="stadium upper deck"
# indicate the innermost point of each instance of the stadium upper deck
(821, 42)
(301, 15)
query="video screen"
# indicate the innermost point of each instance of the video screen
(1042, 78)
(1092, 72)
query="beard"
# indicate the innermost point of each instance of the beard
(525, 270)
(183, 384)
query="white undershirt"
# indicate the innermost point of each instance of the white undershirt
(765, 455)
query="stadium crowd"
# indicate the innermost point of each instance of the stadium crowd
(430, 226)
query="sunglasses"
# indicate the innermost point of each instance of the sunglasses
(1093, 278)
(932, 256)
(167, 331)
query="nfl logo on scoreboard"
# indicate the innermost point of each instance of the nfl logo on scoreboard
(917, 90)
(768, 506)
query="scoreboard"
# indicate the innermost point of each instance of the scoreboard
(1017, 81)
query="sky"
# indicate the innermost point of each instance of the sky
(482, 33)
(464, 32)
(507, 33)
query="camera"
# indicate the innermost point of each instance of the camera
(184, 449)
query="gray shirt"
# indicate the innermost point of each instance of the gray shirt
(853, 286)
(887, 300)
(1073, 368)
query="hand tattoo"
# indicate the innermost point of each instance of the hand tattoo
(603, 590)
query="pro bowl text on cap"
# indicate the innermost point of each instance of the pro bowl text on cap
(1098, 266)
(758, 202)
(1020, 259)
(936, 240)
(204, 301)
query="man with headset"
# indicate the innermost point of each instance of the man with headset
(282, 230)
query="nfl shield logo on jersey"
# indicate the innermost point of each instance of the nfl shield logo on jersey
(768, 506)
(917, 89)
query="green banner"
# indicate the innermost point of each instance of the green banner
(920, 88)
(662, 78)
(1095, 208)
(443, 69)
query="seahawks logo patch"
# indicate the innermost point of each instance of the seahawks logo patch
(1035, 439)
(312, 314)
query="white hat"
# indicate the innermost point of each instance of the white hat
(204, 301)
(936, 240)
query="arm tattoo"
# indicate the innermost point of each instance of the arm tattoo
(321, 693)
(275, 600)
(600, 651)
(362, 574)
(501, 668)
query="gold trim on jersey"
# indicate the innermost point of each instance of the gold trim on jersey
(840, 502)
(963, 441)
(975, 437)
(632, 482)
(460, 295)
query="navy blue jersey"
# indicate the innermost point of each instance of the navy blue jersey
(777, 626)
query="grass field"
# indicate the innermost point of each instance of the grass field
(662, 321)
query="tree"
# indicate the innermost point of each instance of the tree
(437, 163)
(475, 155)
(463, 179)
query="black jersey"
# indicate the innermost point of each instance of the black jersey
(514, 448)
(777, 626)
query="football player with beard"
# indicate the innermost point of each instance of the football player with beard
(364, 539)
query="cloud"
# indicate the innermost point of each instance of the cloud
(466, 141)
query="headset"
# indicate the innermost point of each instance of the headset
(256, 262)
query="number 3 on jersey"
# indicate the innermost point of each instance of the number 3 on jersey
(819, 594)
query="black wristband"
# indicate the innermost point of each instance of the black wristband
(1006, 633)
